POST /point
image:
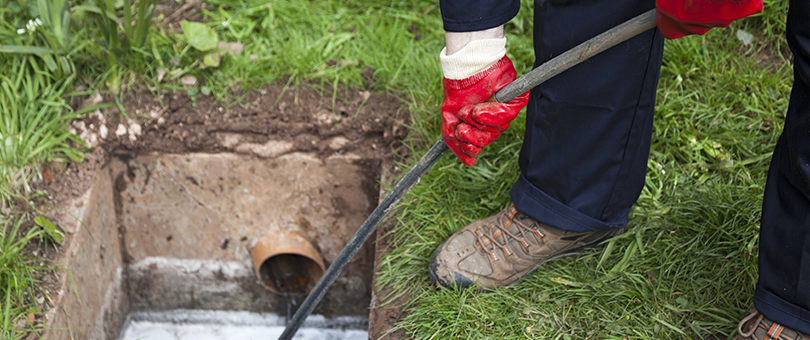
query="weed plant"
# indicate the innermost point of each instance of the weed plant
(121, 33)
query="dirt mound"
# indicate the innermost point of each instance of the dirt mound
(368, 124)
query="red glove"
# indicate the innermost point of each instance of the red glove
(678, 18)
(468, 123)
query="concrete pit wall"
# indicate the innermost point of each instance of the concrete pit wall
(164, 232)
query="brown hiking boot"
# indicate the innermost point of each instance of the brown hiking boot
(501, 249)
(756, 326)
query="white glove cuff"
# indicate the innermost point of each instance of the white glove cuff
(476, 56)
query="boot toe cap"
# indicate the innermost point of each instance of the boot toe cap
(442, 274)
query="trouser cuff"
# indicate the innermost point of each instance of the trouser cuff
(532, 201)
(781, 311)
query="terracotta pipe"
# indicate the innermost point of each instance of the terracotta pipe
(287, 263)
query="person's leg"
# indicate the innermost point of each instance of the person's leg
(783, 290)
(588, 130)
(584, 155)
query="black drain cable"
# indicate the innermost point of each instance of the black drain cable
(528, 81)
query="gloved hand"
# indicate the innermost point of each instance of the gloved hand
(678, 18)
(469, 123)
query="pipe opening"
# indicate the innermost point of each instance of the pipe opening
(286, 263)
(290, 274)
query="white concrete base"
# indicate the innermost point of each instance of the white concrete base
(228, 325)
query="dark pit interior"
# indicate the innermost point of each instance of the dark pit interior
(290, 274)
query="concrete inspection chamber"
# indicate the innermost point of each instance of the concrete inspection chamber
(181, 238)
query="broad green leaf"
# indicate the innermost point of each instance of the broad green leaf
(49, 228)
(199, 35)
(211, 59)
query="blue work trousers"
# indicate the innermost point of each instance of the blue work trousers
(783, 290)
(588, 133)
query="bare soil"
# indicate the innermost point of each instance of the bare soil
(300, 115)
(367, 124)
(173, 12)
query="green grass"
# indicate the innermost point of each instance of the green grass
(289, 38)
(32, 127)
(18, 283)
(38, 69)
(686, 267)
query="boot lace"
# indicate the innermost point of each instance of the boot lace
(487, 241)
(774, 330)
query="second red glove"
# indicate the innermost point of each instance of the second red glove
(678, 18)
(468, 122)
